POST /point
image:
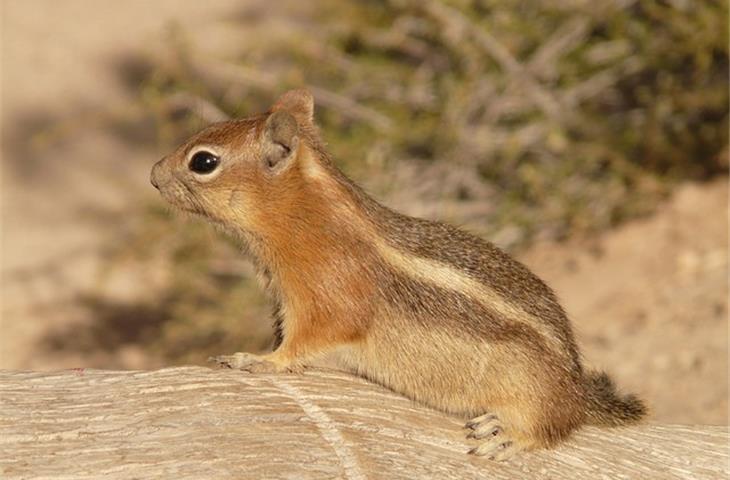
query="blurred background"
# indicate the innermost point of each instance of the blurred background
(587, 137)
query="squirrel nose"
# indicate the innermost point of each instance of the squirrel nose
(154, 174)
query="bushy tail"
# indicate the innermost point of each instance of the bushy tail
(606, 407)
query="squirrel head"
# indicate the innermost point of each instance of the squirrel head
(237, 172)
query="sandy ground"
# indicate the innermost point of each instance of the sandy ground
(649, 300)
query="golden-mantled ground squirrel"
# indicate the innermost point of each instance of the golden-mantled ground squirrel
(421, 307)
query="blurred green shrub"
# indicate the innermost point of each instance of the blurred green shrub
(520, 119)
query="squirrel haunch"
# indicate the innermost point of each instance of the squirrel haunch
(421, 307)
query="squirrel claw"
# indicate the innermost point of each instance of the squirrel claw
(480, 420)
(496, 449)
(237, 360)
(263, 366)
(219, 361)
(497, 446)
(249, 362)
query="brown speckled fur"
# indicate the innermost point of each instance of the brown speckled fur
(421, 307)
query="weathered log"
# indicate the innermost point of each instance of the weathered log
(194, 422)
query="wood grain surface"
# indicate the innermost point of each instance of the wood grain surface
(194, 422)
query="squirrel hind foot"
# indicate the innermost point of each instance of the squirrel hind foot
(497, 445)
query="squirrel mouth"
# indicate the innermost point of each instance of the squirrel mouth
(182, 198)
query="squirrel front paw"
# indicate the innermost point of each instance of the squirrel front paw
(252, 363)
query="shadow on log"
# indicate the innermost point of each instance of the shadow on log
(194, 422)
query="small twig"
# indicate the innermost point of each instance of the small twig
(200, 106)
(543, 62)
(489, 139)
(397, 40)
(600, 82)
(351, 108)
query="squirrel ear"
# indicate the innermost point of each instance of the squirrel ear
(299, 103)
(280, 140)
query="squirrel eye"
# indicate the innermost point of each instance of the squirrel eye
(203, 162)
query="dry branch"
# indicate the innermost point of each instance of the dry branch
(542, 97)
(543, 63)
(198, 105)
(193, 422)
